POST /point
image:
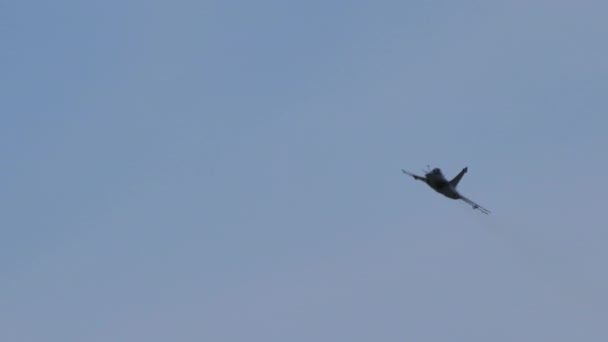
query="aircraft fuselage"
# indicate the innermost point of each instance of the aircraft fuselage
(437, 182)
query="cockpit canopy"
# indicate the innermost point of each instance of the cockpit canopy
(436, 170)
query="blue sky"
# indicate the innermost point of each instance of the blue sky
(230, 171)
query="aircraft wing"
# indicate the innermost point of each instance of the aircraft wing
(416, 177)
(475, 205)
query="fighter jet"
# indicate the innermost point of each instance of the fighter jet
(435, 179)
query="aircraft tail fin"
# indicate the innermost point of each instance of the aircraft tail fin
(454, 182)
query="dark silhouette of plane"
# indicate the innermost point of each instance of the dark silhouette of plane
(435, 179)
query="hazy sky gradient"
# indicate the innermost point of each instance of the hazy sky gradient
(230, 171)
